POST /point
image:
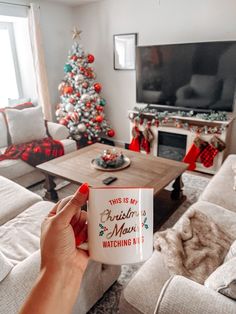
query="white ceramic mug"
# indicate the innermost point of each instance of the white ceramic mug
(120, 224)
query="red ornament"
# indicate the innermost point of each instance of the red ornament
(63, 121)
(99, 119)
(74, 57)
(97, 87)
(74, 117)
(90, 142)
(88, 104)
(72, 100)
(82, 69)
(71, 74)
(68, 90)
(87, 125)
(78, 95)
(90, 58)
(97, 127)
(111, 133)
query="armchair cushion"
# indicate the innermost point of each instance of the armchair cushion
(184, 92)
(223, 279)
(26, 125)
(205, 86)
(183, 296)
(3, 131)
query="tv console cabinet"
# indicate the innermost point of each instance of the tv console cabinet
(175, 134)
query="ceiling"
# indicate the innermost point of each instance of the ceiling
(74, 2)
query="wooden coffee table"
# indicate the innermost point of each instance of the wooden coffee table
(144, 171)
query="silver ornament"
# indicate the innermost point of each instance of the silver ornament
(69, 108)
(79, 78)
(86, 114)
(85, 98)
(81, 127)
(72, 129)
(77, 137)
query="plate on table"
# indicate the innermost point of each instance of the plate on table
(126, 164)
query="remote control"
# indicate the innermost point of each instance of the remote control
(109, 180)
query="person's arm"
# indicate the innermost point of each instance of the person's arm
(62, 264)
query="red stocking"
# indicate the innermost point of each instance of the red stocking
(147, 139)
(135, 143)
(194, 152)
(207, 155)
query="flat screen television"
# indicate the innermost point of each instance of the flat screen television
(192, 76)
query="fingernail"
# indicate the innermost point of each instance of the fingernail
(84, 188)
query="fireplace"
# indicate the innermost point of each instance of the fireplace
(171, 145)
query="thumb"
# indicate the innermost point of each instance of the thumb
(74, 204)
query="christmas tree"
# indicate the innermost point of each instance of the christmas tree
(81, 107)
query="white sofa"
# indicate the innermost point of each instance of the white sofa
(153, 290)
(18, 170)
(21, 215)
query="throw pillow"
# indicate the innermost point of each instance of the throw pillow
(231, 253)
(223, 279)
(19, 101)
(5, 266)
(25, 125)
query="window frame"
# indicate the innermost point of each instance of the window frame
(9, 26)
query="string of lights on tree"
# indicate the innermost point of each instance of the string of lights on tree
(81, 107)
(166, 118)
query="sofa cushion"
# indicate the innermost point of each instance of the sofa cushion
(5, 266)
(19, 237)
(220, 189)
(223, 279)
(12, 169)
(26, 125)
(69, 145)
(14, 199)
(3, 131)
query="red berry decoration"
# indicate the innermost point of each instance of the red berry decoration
(111, 133)
(97, 87)
(68, 90)
(74, 57)
(88, 104)
(90, 58)
(99, 119)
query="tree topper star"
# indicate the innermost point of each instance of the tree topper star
(76, 33)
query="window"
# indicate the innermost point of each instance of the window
(10, 81)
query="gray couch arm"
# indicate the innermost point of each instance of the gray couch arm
(57, 131)
(183, 296)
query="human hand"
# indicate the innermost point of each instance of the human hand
(63, 229)
(62, 264)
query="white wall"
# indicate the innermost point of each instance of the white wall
(56, 26)
(156, 22)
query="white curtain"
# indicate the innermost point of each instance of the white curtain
(39, 61)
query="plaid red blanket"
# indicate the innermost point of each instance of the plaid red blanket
(35, 152)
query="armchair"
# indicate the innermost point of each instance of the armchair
(201, 92)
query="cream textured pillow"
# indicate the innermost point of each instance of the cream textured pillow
(26, 125)
(234, 170)
(223, 279)
(5, 266)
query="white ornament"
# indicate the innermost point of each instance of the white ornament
(72, 129)
(60, 113)
(69, 108)
(77, 137)
(86, 114)
(81, 127)
(79, 78)
(85, 98)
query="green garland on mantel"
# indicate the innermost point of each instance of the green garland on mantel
(211, 116)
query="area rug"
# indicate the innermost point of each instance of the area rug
(194, 184)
